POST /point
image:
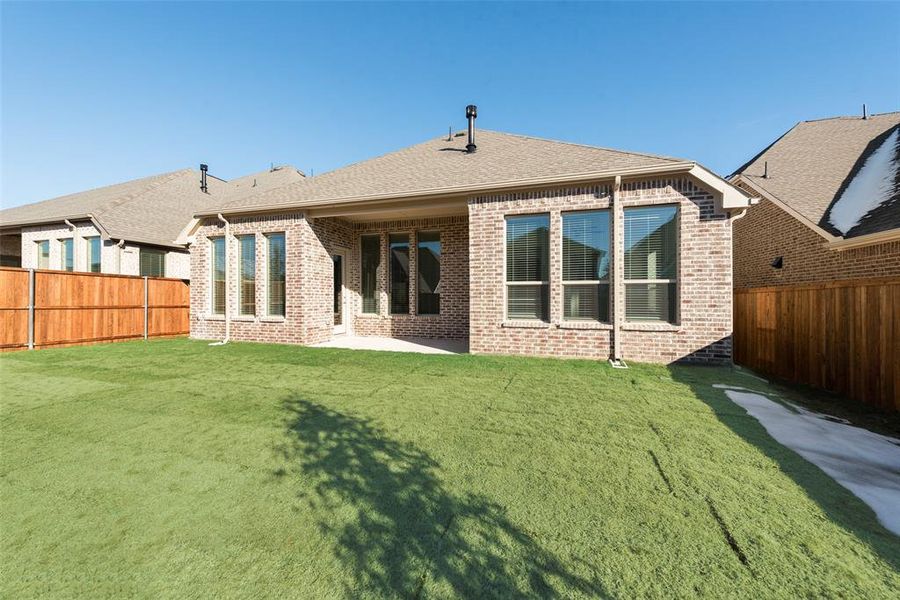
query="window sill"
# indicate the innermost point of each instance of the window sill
(214, 317)
(369, 316)
(272, 319)
(589, 325)
(244, 318)
(525, 324)
(636, 326)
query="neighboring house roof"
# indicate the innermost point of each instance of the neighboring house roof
(255, 183)
(841, 176)
(151, 210)
(441, 167)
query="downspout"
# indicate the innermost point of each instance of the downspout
(618, 275)
(227, 294)
(120, 244)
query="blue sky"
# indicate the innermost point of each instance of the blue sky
(94, 94)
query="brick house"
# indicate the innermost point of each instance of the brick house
(830, 204)
(129, 228)
(520, 245)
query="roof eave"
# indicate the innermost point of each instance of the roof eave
(467, 190)
(870, 239)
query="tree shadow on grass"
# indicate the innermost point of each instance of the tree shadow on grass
(405, 533)
(838, 503)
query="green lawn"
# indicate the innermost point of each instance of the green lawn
(175, 469)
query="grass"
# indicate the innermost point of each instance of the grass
(172, 469)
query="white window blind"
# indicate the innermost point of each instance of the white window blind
(247, 274)
(651, 263)
(586, 266)
(152, 263)
(527, 267)
(217, 249)
(276, 274)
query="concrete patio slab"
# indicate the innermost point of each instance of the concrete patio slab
(405, 344)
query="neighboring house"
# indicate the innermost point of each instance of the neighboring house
(129, 228)
(523, 246)
(830, 205)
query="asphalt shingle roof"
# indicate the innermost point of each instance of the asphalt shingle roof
(811, 165)
(440, 163)
(152, 209)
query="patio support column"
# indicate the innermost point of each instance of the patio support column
(618, 274)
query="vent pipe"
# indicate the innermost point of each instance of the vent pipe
(203, 170)
(865, 112)
(471, 115)
(766, 170)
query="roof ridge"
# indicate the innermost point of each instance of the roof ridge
(589, 146)
(849, 117)
(164, 179)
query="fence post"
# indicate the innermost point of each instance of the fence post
(146, 308)
(31, 309)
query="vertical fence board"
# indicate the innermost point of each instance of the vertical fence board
(841, 336)
(80, 308)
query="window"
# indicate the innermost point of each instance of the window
(153, 263)
(651, 258)
(247, 275)
(399, 246)
(371, 264)
(93, 254)
(275, 244)
(527, 267)
(217, 249)
(586, 266)
(66, 256)
(43, 254)
(428, 264)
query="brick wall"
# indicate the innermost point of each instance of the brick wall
(260, 327)
(768, 231)
(703, 329)
(310, 244)
(453, 320)
(113, 259)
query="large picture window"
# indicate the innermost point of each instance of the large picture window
(651, 263)
(247, 274)
(153, 263)
(586, 266)
(93, 253)
(67, 256)
(217, 249)
(43, 254)
(399, 253)
(275, 270)
(527, 267)
(370, 251)
(428, 265)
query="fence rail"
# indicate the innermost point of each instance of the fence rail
(841, 336)
(40, 308)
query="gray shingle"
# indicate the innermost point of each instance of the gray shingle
(810, 164)
(441, 163)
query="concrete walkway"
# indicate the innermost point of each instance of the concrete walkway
(864, 462)
(406, 344)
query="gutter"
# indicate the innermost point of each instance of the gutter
(227, 295)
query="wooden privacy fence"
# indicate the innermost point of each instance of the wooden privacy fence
(56, 308)
(841, 336)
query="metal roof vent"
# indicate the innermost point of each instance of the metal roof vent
(203, 170)
(471, 115)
